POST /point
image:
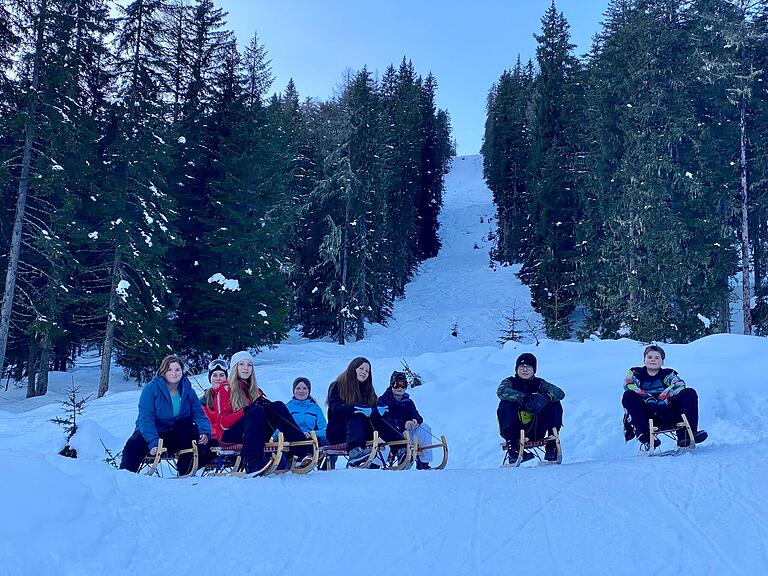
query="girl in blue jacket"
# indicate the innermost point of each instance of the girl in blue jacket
(305, 410)
(168, 409)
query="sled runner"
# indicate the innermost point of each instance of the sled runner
(418, 450)
(375, 446)
(535, 446)
(684, 427)
(152, 464)
(228, 460)
(341, 450)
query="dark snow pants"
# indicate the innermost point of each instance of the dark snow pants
(177, 438)
(258, 426)
(357, 429)
(664, 416)
(508, 413)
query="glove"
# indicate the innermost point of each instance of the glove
(383, 410)
(655, 407)
(536, 403)
(366, 410)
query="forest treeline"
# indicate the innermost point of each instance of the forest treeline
(157, 198)
(631, 182)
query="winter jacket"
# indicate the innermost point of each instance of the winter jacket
(222, 417)
(520, 390)
(399, 411)
(156, 409)
(661, 387)
(337, 408)
(308, 415)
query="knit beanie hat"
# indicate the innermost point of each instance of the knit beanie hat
(306, 381)
(397, 376)
(237, 356)
(528, 359)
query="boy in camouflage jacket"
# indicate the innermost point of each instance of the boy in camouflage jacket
(528, 403)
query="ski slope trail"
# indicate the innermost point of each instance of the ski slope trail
(605, 510)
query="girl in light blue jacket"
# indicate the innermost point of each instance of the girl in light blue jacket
(306, 411)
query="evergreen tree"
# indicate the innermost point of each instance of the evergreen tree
(549, 265)
(506, 150)
(131, 212)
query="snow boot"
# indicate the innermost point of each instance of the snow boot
(699, 436)
(550, 452)
(253, 465)
(401, 455)
(357, 457)
(512, 456)
(422, 465)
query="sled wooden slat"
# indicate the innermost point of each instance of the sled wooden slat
(537, 446)
(152, 462)
(418, 450)
(341, 450)
(409, 455)
(655, 431)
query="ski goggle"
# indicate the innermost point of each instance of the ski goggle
(218, 364)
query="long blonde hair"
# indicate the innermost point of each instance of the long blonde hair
(236, 392)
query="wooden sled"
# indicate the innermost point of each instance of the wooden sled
(670, 433)
(341, 450)
(418, 450)
(410, 456)
(152, 463)
(536, 446)
(228, 460)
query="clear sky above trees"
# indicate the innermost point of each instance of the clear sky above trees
(465, 46)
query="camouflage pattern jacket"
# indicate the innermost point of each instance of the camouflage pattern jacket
(518, 390)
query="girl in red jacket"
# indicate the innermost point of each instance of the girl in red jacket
(241, 414)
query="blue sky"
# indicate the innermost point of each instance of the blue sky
(466, 48)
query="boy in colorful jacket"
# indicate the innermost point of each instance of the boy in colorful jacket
(651, 391)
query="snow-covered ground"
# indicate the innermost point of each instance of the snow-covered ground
(604, 511)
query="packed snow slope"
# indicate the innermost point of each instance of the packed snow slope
(605, 510)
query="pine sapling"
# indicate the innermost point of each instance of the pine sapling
(111, 458)
(413, 378)
(72, 407)
(511, 332)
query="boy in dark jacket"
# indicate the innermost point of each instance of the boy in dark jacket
(528, 403)
(402, 414)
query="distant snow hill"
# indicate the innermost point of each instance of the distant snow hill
(605, 510)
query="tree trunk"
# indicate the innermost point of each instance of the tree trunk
(32, 360)
(45, 358)
(745, 283)
(343, 291)
(109, 336)
(21, 200)
(362, 279)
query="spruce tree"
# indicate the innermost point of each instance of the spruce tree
(549, 265)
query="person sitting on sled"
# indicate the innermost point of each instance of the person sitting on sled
(402, 414)
(306, 411)
(528, 403)
(651, 391)
(168, 409)
(352, 412)
(242, 414)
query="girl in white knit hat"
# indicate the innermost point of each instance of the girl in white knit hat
(247, 417)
